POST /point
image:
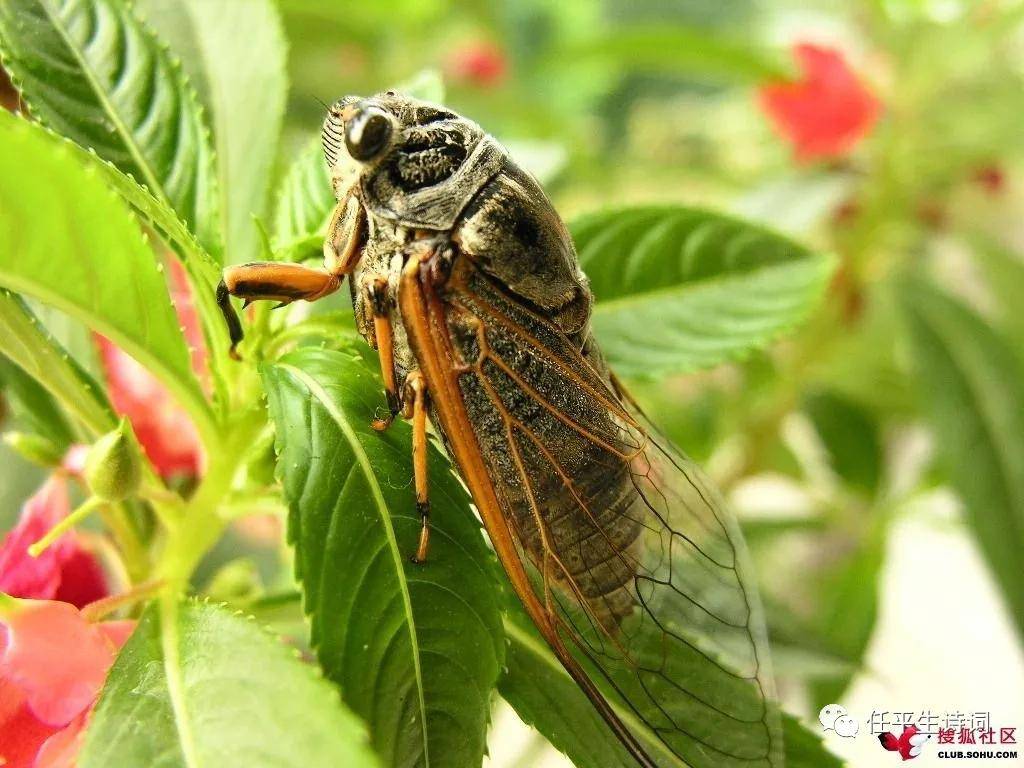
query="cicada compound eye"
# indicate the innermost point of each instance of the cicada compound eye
(367, 133)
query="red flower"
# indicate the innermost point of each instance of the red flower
(480, 63)
(991, 178)
(167, 435)
(825, 112)
(52, 665)
(65, 570)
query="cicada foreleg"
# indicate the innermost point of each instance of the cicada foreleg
(270, 280)
(285, 282)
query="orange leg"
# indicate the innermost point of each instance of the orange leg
(379, 301)
(416, 408)
(412, 405)
(276, 281)
(285, 282)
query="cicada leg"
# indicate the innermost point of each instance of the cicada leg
(416, 409)
(412, 404)
(375, 288)
(271, 280)
(285, 282)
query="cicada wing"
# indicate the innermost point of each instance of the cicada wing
(634, 561)
(691, 658)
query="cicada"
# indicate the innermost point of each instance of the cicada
(466, 281)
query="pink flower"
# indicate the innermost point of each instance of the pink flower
(52, 666)
(65, 570)
(480, 63)
(826, 111)
(181, 295)
(167, 435)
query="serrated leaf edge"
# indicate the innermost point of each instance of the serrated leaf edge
(151, 186)
(829, 263)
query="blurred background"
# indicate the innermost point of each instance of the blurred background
(887, 132)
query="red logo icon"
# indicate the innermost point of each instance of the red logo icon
(908, 744)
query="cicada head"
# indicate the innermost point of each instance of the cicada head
(412, 162)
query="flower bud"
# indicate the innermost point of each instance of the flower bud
(113, 469)
(35, 448)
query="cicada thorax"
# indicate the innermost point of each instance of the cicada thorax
(436, 163)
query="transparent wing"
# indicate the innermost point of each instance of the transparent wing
(632, 552)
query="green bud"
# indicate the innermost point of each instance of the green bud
(260, 469)
(35, 448)
(236, 580)
(113, 468)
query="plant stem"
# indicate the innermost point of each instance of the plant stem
(201, 525)
(132, 551)
(87, 507)
(763, 426)
(96, 610)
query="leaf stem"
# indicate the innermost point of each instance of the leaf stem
(87, 507)
(131, 549)
(98, 609)
(201, 526)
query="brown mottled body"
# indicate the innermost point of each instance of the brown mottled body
(466, 281)
(506, 249)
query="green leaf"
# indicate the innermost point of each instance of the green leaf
(973, 397)
(848, 599)
(544, 696)
(805, 748)
(196, 686)
(156, 213)
(797, 662)
(304, 205)
(26, 343)
(680, 289)
(1004, 273)
(69, 241)
(31, 403)
(237, 55)
(415, 649)
(850, 436)
(93, 72)
(329, 329)
(203, 271)
(679, 50)
(799, 650)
